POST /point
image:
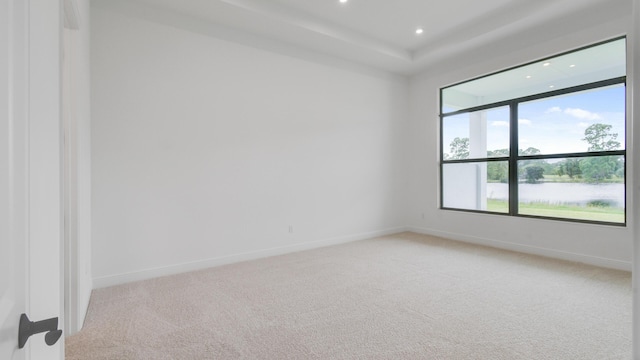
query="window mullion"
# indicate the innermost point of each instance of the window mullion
(513, 158)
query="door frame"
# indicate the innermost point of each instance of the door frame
(634, 99)
(73, 319)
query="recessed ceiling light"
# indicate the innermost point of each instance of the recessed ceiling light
(528, 76)
(572, 65)
(419, 31)
(551, 86)
(546, 64)
(343, 1)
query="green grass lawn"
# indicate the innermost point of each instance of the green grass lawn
(607, 214)
(567, 179)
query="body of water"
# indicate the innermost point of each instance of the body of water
(561, 193)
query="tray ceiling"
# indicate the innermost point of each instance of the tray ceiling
(376, 33)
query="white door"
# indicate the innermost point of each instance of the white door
(30, 211)
(13, 180)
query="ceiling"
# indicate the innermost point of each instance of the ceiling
(377, 33)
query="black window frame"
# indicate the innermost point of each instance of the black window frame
(514, 156)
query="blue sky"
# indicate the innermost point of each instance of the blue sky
(554, 125)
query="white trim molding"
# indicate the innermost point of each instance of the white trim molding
(124, 278)
(528, 249)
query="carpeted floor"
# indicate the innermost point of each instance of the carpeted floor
(404, 296)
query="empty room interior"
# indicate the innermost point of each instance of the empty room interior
(361, 179)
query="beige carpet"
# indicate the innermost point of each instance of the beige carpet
(405, 296)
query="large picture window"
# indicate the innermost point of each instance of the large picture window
(546, 139)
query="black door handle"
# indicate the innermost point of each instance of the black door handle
(28, 328)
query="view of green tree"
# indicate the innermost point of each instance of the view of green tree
(569, 167)
(600, 138)
(620, 168)
(498, 153)
(534, 173)
(597, 169)
(498, 170)
(459, 149)
(591, 169)
(531, 170)
(529, 151)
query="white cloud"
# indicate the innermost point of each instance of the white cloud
(553, 110)
(524, 121)
(582, 114)
(500, 123)
(583, 125)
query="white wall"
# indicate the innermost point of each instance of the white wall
(635, 130)
(206, 152)
(601, 245)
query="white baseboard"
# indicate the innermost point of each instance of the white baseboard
(528, 249)
(124, 278)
